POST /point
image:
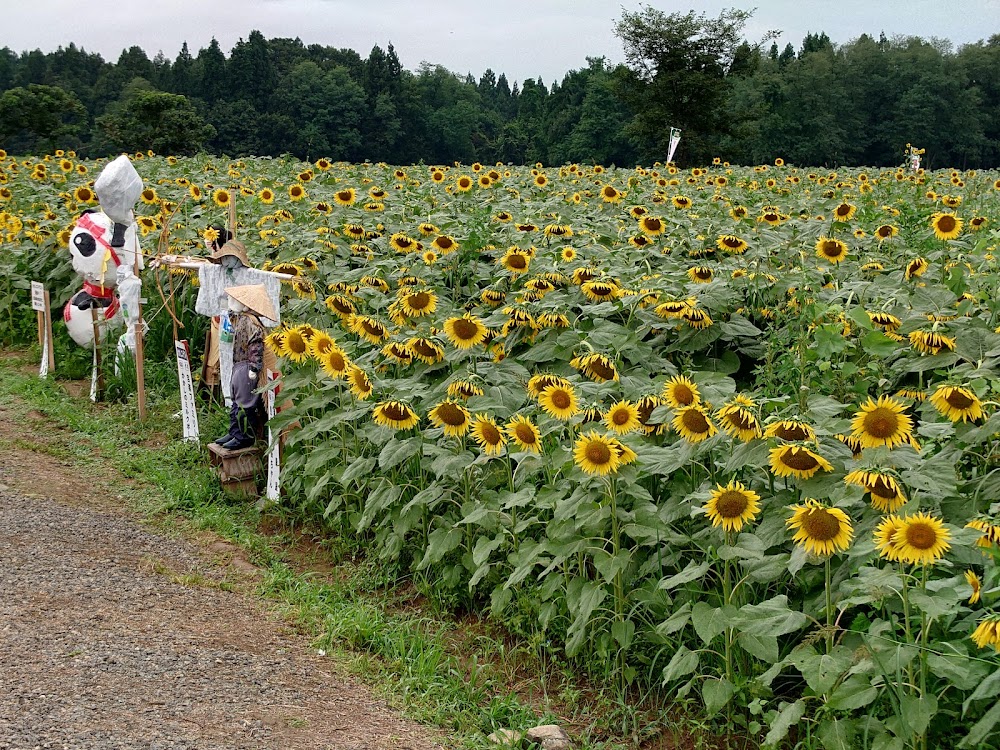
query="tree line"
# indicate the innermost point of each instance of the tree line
(857, 103)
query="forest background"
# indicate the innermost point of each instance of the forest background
(745, 102)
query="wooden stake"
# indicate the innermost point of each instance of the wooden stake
(97, 352)
(140, 375)
(48, 332)
(41, 328)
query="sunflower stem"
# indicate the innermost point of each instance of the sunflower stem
(827, 576)
(618, 583)
(727, 596)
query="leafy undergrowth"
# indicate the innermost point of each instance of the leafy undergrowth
(459, 672)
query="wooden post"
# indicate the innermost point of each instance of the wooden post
(48, 332)
(97, 352)
(140, 376)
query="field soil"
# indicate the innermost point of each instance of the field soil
(116, 635)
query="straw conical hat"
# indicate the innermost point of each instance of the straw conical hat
(255, 297)
(233, 247)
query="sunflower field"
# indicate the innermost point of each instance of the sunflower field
(727, 435)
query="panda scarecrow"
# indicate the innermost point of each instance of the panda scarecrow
(105, 250)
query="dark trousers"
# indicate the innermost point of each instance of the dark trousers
(246, 424)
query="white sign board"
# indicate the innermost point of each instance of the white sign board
(93, 376)
(38, 296)
(675, 138)
(274, 453)
(189, 411)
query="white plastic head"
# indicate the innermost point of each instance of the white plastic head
(98, 246)
(235, 306)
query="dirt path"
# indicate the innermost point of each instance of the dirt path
(113, 636)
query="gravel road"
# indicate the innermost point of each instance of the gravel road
(112, 636)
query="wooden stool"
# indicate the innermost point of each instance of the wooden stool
(238, 470)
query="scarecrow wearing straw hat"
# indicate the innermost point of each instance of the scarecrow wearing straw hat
(247, 305)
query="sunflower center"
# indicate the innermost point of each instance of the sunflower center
(419, 301)
(831, 248)
(958, 400)
(490, 433)
(517, 261)
(732, 242)
(795, 432)
(695, 421)
(424, 348)
(525, 434)
(921, 535)
(820, 524)
(466, 330)
(451, 415)
(732, 504)
(323, 346)
(799, 460)
(741, 420)
(602, 368)
(946, 223)
(444, 242)
(598, 453)
(653, 224)
(560, 398)
(396, 412)
(683, 395)
(881, 423)
(703, 273)
(336, 361)
(296, 343)
(375, 329)
(620, 416)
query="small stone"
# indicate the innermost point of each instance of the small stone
(506, 737)
(550, 737)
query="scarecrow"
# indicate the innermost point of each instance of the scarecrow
(248, 305)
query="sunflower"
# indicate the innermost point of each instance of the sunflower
(796, 461)
(515, 260)
(266, 195)
(488, 435)
(452, 417)
(444, 244)
(693, 424)
(596, 454)
(148, 196)
(369, 329)
(493, 297)
(946, 225)
(651, 225)
(681, 201)
(398, 352)
(696, 318)
(524, 433)
(401, 243)
(464, 389)
(885, 232)
(345, 197)
(416, 304)
(340, 305)
(957, 403)
(931, 342)
(977, 222)
(622, 417)
(84, 194)
(915, 268)
(730, 243)
(335, 362)
(595, 366)
(885, 321)
(845, 211)
(989, 529)
(464, 183)
(195, 192)
(375, 282)
(361, 386)
(567, 254)
(738, 421)
(296, 192)
(831, 249)
(976, 583)
(732, 506)
(790, 429)
(882, 423)
(987, 632)
(540, 381)
(395, 414)
(320, 344)
(821, 530)
(920, 539)
(426, 350)
(884, 537)
(610, 194)
(680, 392)
(600, 291)
(221, 197)
(559, 401)
(465, 332)
(295, 346)
(883, 490)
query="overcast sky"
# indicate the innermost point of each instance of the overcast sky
(522, 38)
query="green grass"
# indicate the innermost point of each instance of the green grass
(466, 677)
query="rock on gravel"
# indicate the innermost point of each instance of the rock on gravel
(102, 645)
